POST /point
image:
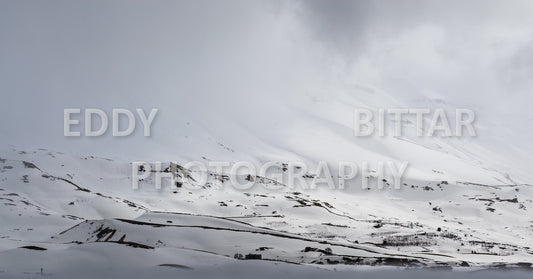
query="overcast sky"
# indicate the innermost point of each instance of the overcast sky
(196, 59)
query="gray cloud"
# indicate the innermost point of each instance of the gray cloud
(196, 59)
(341, 24)
(474, 54)
(476, 38)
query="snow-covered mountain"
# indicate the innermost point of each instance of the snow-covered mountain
(83, 209)
(264, 82)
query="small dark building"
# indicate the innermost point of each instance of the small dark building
(253, 257)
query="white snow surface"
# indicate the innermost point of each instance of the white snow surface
(83, 209)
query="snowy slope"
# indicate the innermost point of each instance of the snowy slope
(263, 81)
(464, 203)
(71, 205)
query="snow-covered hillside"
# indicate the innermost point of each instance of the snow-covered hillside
(264, 82)
(84, 209)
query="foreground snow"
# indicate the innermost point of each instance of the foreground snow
(71, 215)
